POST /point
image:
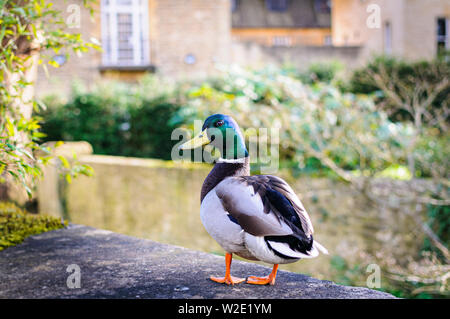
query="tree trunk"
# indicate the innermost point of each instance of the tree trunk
(24, 103)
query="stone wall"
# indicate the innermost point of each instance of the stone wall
(160, 200)
(115, 266)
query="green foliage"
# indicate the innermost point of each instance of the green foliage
(150, 129)
(438, 218)
(432, 153)
(402, 77)
(345, 274)
(313, 120)
(28, 30)
(119, 119)
(88, 117)
(116, 119)
(17, 224)
(315, 72)
(324, 72)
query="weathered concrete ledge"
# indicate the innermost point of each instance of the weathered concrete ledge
(117, 266)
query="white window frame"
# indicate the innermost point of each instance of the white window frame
(137, 9)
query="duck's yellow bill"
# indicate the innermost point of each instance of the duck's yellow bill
(198, 140)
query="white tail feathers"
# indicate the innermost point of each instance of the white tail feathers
(322, 249)
(284, 249)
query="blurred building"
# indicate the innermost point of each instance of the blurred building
(413, 29)
(281, 23)
(182, 38)
(187, 38)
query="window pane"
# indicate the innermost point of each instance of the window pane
(281, 41)
(124, 37)
(125, 32)
(123, 2)
(107, 40)
(441, 26)
(322, 6)
(442, 34)
(234, 4)
(277, 5)
(141, 38)
(387, 38)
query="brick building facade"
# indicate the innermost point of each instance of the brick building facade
(186, 38)
(412, 29)
(182, 38)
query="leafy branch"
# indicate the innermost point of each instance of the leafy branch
(28, 29)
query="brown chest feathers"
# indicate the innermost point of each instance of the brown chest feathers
(221, 171)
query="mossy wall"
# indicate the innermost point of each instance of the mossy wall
(141, 197)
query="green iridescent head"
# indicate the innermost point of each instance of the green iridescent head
(223, 133)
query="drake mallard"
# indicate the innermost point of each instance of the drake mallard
(256, 217)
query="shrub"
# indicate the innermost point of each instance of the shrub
(29, 29)
(150, 129)
(312, 119)
(324, 72)
(386, 76)
(88, 117)
(116, 119)
(316, 72)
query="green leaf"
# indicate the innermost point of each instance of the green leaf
(10, 127)
(64, 161)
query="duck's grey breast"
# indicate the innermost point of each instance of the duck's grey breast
(222, 227)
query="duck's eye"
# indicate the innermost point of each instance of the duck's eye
(219, 123)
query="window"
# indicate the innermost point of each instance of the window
(443, 42)
(322, 6)
(125, 32)
(281, 41)
(277, 5)
(234, 5)
(387, 38)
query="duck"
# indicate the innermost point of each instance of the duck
(256, 217)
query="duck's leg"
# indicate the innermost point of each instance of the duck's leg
(228, 279)
(264, 280)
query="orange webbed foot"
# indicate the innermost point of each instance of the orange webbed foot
(261, 280)
(268, 280)
(229, 280)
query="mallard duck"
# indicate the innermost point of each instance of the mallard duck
(256, 217)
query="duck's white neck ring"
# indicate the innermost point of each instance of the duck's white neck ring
(235, 160)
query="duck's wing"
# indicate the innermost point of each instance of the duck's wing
(265, 205)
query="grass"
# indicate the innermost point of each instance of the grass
(17, 224)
